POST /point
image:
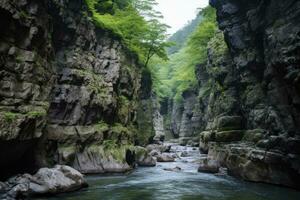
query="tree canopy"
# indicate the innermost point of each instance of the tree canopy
(136, 22)
(173, 77)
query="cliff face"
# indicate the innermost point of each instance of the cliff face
(185, 119)
(69, 90)
(250, 91)
(263, 38)
(27, 75)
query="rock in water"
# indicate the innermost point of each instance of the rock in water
(184, 154)
(165, 157)
(175, 169)
(160, 148)
(143, 158)
(208, 166)
(46, 181)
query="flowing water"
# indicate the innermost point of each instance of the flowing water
(155, 183)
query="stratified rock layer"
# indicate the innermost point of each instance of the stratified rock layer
(249, 90)
(69, 91)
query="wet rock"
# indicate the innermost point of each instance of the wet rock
(205, 138)
(222, 172)
(209, 166)
(98, 159)
(250, 163)
(158, 148)
(184, 154)
(175, 169)
(165, 157)
(183, 141)
(154, 152)
(46, 181)
(143, 158)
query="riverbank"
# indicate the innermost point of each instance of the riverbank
(157, 183)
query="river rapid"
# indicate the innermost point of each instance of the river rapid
(156, 183)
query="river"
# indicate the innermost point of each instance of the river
(155, 183)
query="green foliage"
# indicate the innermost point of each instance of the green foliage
(197, 43)
(134, 21)
(119, 129)
(181, 36)
(205, 89)
(35, 114)
(109, 144)
(10, 116)
(102, 126)
(172, 78)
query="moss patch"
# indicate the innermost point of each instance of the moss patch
(102, 127)
(10, 116)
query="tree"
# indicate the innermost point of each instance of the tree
(136, 22)
(155, 41)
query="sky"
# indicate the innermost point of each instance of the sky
(178, 12)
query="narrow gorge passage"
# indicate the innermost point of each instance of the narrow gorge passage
(158, 183)
(150, 99)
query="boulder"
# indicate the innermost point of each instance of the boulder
(99, 159)
(208, 166)
(154, 153)
(229, 136)
(253, 135)
(184, 141)
(165, 157)
(175, 169)
(205, 137)
(226, 123)
(46, 181)
(160, 148)
(143, 158)
(184, 154)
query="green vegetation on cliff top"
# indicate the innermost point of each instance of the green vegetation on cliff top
(135, 22)
(171, 78)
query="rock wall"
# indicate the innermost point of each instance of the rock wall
(158, 121)
(69, 91)
(145, 111)
(175, 115)
(185, 118)
(26, 79)
(250, 91)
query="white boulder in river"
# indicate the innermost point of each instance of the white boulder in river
(46, 181)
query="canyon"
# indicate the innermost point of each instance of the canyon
(74, 94)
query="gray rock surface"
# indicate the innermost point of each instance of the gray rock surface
(45, 182)
(165, 157)
(144, 158)
(69, 91)
(250, 103)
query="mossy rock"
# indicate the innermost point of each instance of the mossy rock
(14, 125)
(229, 136)
(111, 149)
(253, 135)
(207, 136)
(9, 116)
(66, 154)
(227, 123)
(102, 127)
